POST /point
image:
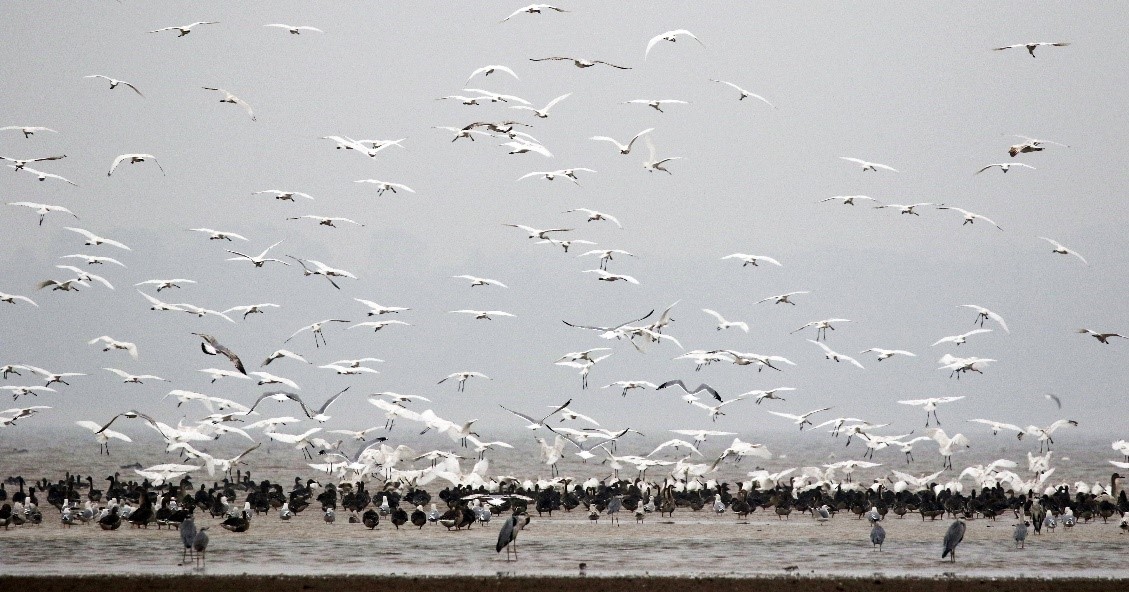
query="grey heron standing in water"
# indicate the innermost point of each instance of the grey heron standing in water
(953, 538)
(200, 545)
(507, 537)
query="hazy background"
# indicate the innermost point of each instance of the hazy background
(915, 87)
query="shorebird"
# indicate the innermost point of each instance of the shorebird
(251, 309)
(623, 148)
(999, 425)
(134, 159)
(1058, 248)
(382, 186)
(869, 166)
(165, 284)
(905, 208)
(838, 357)
(579, 62)
(594, 216)
(12, 298)
(1030, 47)
(884, 354)
(318, 329)
(42, 176)
(539, 233)
(769, 394)
(377, 309)
(606, 255)
(969, 217)
(27, 130)
(671, 36)
(753, 259)
(543, 113)
(1004, 166)
(551, 175)
(234, 100)
(744, 93)
(821, 327)
(111, 343)
(283, 195)
(983, 314)
(802, 419)
(462, 377)
(94, 260)
(488, 70)
(218, 234)
(295, 30)
(21, 163)
(114, 82)
(628, 385)
(259, 259)
(1102, 337)
(782, 298)
(532, 9)
(930, 406)
(724, 324)
(848, 200)
(184, 29)
(655, 104)
(477, 281)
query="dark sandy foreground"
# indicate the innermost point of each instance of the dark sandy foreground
(195, 583)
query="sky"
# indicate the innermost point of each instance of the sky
(914, 87)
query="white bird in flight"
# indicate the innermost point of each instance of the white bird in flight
(969, 217)
(962, 338)
(1004, 166)
(42, 176)
(95, 240)
(623, 148)
(869, 166)
(543, 112)
(671, 36)
(283, 195)
(829, 354)
(884, 354)
(484, 314)
(753, 259)
(295, 30)
(128, 378)
(258, 260)
(1030, 47)
(12, 298)
(134, 159)
(111, 343)
(27, 130)
(533, 9)
(218, 234)
(848, 200)
(478, 281)
(612, 277)
(983, 314)
(114, 82)
(724, 324)
(234, 100)
(462, 377)
(802, 419)
(488, 70)
(42, 209)
(184, 29)
(744, 93)
(782, 298)
(23, 162)
(821, 327)
(930, 405)
(655, 104)
(382, 186)
(1061, 250)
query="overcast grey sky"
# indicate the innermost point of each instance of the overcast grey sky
(914, 86)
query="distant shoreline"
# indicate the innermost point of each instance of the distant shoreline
(194, 583)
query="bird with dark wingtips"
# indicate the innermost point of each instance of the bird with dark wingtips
(953, 538)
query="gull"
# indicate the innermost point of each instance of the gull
(251, 309)
(86, 276)
(1004, 166)
(724, 324)
(579, 62)
(884, 354)
(325, 220)
(584, 366)
(1061, 250)
(111, 343)
(134, 159)
(570, 415)
(94, 260)
(283, 195)
(868, 166)
(357, 363)
(349, 370)
(565, 244)
(463, 132)
(481, 447)
(701, 387)
(983, 314)
(234, 100)
(522, 147)
(15, 369)
(188, 397)
(268, 378)
(484, 314)
(323, 270)
(612, 277)
(19, 391)
(623, 148)
(42, 209)
(488, 70)
(947, 445)
(770, 394)
(537, 423)
(1102, 337)
(782, 298)
(185, 29)
(802, 419)
(969, 217)
(627, 385)
(27, 130)
(462, 377)
(217, 374)
(280, 396)
(1031, 145)
(478, 281)
(594, 216)
(551, 175)
(19, 412)
(999, 425)
(494, 97)
(655, 104)
(114, 82)
(12, 298)
(832, 355)
(319, 414)
(1031, 46)
(284, 353)
(358, 435)
(219, 234)
(961, 365)
(606, 255)
(532, 9)
(103, 436)
(930, 405)
(653, 164)
(67, 286)
(295, 30)
(676, 444)
(258, 260)
(848, 200)
(753, 259)
(377, 309)
(317, 329)
(536, 232)
(962, 338)
(165, 284)
(300, 441)
(671, 36)
(904, 208)
(212, 347)
(378, 325)
(52, 377)
(382, 186)
(821, 327)
(42, 176)
(744, 93)
(200, 311)
(742, 449)
(700, 435)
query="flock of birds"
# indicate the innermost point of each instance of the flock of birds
(349, 457)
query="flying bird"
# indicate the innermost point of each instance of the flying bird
(134, 159)
(671, 36)
(701, 387)
(42, 209)
(488, 70)
(114, 82)
(868, 166)
(295, 30)
(21, 163)
(829, 354)
(579, 62)
(543, 113)
(744, 93)
(234, 100)
(623, 148)
(213, 347)
(1061, 250)
(1030, 47)
(1004, 166)
(969, 217)
(983, 314)
(42, 176)
(184, 29)
(95, 240)
(532, 9)
(724, 324)
(1102, 337)
(27, 130)
(655, 104)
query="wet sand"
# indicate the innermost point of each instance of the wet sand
(503, 583)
